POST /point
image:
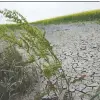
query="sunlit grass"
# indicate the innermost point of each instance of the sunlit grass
(77, 17)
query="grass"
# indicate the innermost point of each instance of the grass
(77, 17)
(93, 15)
(14, 78)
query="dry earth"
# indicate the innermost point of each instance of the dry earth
(78, 47)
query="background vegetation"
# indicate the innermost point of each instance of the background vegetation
(93, 15)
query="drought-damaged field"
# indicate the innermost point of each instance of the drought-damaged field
(74, 42)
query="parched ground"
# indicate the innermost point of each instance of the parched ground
(78, 47)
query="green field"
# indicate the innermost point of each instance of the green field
(77, 17)
(93, 15)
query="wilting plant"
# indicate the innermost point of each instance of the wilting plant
(33, 42)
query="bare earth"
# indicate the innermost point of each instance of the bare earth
(78, 47)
